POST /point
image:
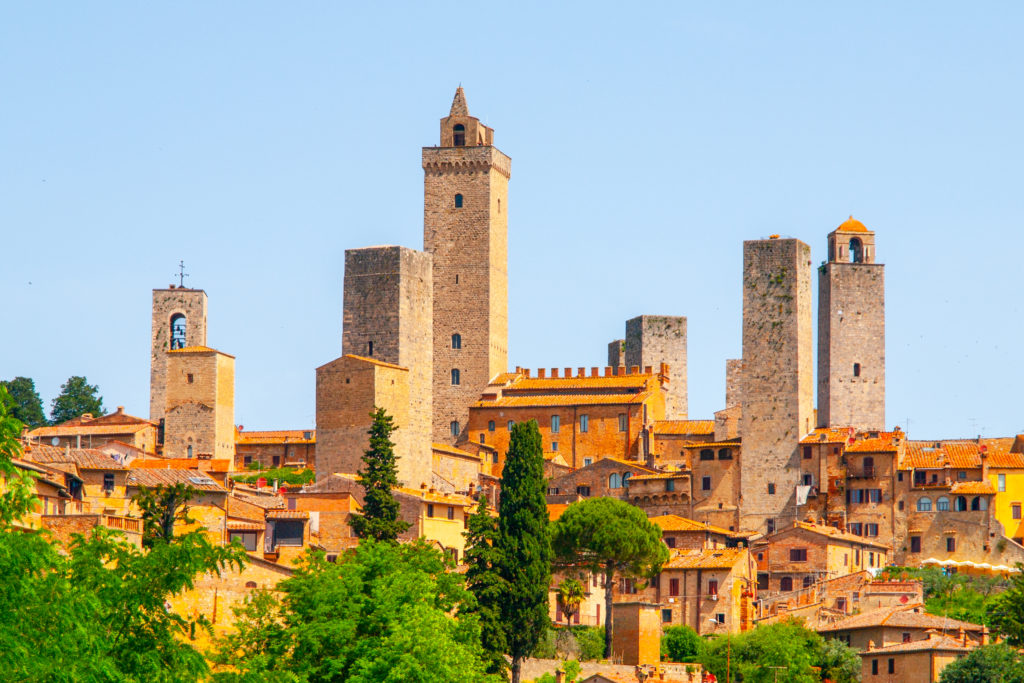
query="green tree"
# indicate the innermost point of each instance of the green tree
(378, 477)
(785, 649)
(259, 647)
(77, 397)
(385, 612)
(524, 544)
(571, 594)
(1005, 613)
(483, 579)
(680, 644)
(161, 507)
(839, 662)
(27, 406)
(612, 538)
(998, 663)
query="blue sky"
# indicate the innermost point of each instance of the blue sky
(258, 141)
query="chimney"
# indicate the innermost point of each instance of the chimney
(120, 410)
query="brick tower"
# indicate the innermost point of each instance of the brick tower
(777, 378)
(655, 339)
(465, 227)
(179, 320)
(851, 331)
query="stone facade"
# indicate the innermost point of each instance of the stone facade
(655, 339)
(617, 353)
(778, 377)
(465, 228)
(733, 382)
(851, 332)
(200, 409)
(347, 391)
(636, 633)
(168, 305)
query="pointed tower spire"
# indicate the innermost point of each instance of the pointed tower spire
(459, 107)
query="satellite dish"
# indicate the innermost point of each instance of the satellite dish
(55, 441)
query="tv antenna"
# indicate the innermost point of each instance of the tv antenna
(181, 274)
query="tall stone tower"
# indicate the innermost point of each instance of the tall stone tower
(179, 320)
(851, 331)
(777, 378)
(655, 339)
(387, 362)
(465, 228)
(200, 407)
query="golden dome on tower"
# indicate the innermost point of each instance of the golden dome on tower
(852, 225)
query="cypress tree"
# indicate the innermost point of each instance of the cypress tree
(483, 560)
(378, 477)
(524, 544)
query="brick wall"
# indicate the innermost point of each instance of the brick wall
(166, 304)
(777, 385)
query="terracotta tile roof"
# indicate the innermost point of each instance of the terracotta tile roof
(734, 443)
(147, 478)
(834, 533)
(631, 463)
(88, 430)
(46, 475)
(265, 502)
(685, 427)
(245, 526)
(885, 442)
(504, 378)
(661, 475)
(827, 435)
(287, 514)
(903, 616)
(118, 417)
(337, 482)
(452, 450)
(722, 558)
(438, 496)
(374, 361)
(195, 464)
(276, 436)
(935, 641)
(975, 487)
(677, 523)
(199, 349)
(82, 458)
(563, 400)
(959, 454)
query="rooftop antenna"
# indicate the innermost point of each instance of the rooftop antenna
(181, 274)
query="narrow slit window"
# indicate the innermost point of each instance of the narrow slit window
(459, 135)
(458, 201)
(856, 369)
(369, 348)
(456, 341)
(455, 377)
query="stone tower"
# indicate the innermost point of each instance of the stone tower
(200, 408)
(465, 228)
(851, 331)
(179, 320)
(777, 378)
(387, 347)
(655, 339)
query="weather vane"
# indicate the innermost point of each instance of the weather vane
(181, 274)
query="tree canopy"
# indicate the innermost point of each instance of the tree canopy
(161, 508)
(484, 581)
(378, 477)
(77, 397)
(681, 644)
(1005, 612)
(998, 663)
(524, 544)
(610, 537)
(26, 406)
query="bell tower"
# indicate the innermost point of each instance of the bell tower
(851, 331)
(465, 228)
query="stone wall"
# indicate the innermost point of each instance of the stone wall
(617, 353)
(733, 382)
(655, 339)
(777, 385)
(166, 304)
(200, 408)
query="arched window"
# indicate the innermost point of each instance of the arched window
(960, 504)
(456, 341)
(458, 201)
(625, 478)
(614, 481)
(856, 369)
(178, 331)
(724, 454)
(455, 376)
(942, 504)
(459, 135)
(924, 504)
(454, 427)
(190, 450)
(490, 425)
(856, 251)
(707, 454)
(250, 584)
(786, 584)
(978, 503)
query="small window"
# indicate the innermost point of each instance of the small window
(430, 509)
(554, 446)
(892, 665)
(856, 369)
(713, 587)
(614, 481)
(178, 327)
(583, 490)
(807, 452)
(670, 542)
(707, 454)
(786, 584)
(705, 483)
(451, 512)
(961, 475)
(584, 423)
(960, 504)
(276, 460)
(483, 438)
(556, 424)
(189, 451)
(924, 504)
(798, 554)
(458, 201)
(724, 454)
(455, 377)
(673, 587)
(454, 427)
(369, 348)
(871, 530)
(248, 541)
(587, 462)
(874, 667)
(490, 425)
(459, 135)
(247, 460)
(456, 341)
(666, 616)
(950, 544)
(771, 489)
(1015, 511)
(190, 378)
(720, 617)
(769, 525)
(906, 637)
(510, 423)
(456, 278)
(108, 482)
(670, 484)
(808, 479)
(979, 503)
(1002, 482)
(855, 528)
(623, 422)
(807, 582)
(942, 504)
